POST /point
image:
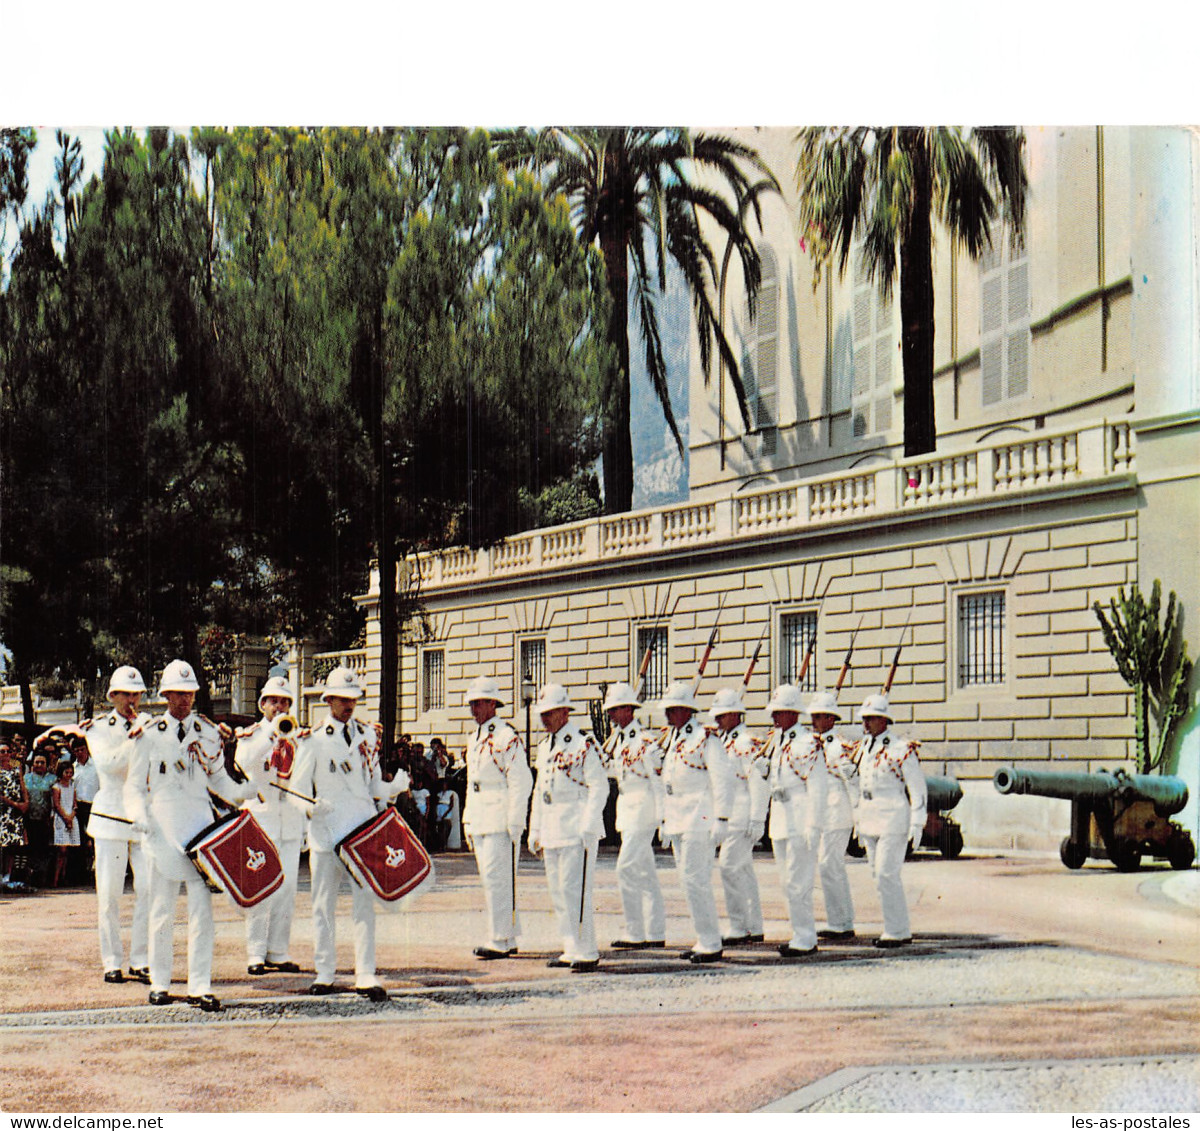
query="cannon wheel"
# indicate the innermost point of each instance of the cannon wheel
(950, 841)
(1072, 855)
(1181, 852)
(1126, 856)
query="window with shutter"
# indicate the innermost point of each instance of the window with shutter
(873, 356)
(1004, 335)
(762, 376)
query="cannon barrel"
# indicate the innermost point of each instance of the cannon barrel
(1169, 794)
(942, 793)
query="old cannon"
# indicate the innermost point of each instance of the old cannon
(1115, 816)
(940, 832)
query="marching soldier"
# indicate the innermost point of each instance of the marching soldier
(493, 821)
(636, 765)
(747, 818)
(839, 816)
(798, 788)
(118, 846)
(337, 764)
(696, 783)
(567, 822)
(267, 755)
(177, 760)
(891, 812)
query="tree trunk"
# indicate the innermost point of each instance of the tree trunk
(916, 305)
(389, 656)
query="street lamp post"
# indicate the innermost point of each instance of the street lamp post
(528, 692)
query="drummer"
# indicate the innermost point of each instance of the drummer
(337, 767)
(175, 763)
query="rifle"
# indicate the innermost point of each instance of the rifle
(712, 639)
(808, 655)
(887, 686)
(645, 666)
(846, 662)
(754, 658)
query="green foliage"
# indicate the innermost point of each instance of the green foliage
(1153, 660)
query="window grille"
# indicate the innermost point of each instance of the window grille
(796, 633)
(533, 663)
(433, 680)
(980, 639)
(656, 673)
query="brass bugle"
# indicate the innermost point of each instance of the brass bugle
(284, 726)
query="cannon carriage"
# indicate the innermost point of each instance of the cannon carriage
(941, 833)
(1115, 816)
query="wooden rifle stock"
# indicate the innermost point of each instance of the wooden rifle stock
(754, 658)
(846, 662)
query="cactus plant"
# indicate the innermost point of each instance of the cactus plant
(1151, 662)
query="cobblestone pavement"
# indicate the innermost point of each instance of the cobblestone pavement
(1028, 988)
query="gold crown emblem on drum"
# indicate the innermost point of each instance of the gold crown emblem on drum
(256, 859)
(395, 856)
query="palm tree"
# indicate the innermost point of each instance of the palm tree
(634, 188)
(886, 185)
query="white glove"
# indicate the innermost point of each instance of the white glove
(323, 807)
(721, 830)
(140, 827)
(535, 843)
(515, 832)
(915, 833)
(758, 830)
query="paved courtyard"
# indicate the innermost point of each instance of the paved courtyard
(1029, 988)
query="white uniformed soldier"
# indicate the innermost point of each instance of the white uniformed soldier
(267, 757)
(747, 818)
(493, 821)
(118, 846)
(891, 811)
(635, 762)
(177, 760)
(798, 781)
(696, 783)
(567, 822)
(839, 816)
(337, 763)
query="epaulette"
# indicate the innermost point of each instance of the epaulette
(137, 731)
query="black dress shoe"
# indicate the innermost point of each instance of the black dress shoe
(755, 938)
(257, 968)
(835, 935)
(891, 944)
(139, 974)
(113, 976)
(487, 953)
(320, 989)
(556, 963)
(653, 944)
(795, 952)
(160, 997)
(282, 967)
(705, 956)
(686, 955)
(583, 965)
(371, 993)
(629, 944)
(206, 1002)
(735, 940)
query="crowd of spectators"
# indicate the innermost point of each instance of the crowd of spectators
(432, 806)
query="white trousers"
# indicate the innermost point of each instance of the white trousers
(797, 865)
(886, 855)
(570, 875)
(742, 904)
(694, 862)
(835, 884)
(327, 875)
(164, 894)
(112, 858)
(641, 893)
(495, 856)
(269, 924)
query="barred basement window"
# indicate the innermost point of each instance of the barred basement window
(433, 680)
(980, 639)
(656, 673)
(796, 632)
(533, 663)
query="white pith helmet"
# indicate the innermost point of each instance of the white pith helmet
(484, 687)
(727, 701)
(824, 703)
(276, 685)
(178, 676)
(876, 705)
(786, 697)
(621, 695)
(342, 682)
(551, 698)
(679, 694)
(126, 678)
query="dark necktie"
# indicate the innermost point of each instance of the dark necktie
(181, 732)
(346, 733)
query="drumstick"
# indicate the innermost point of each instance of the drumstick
(109, 817)
(302, 796)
